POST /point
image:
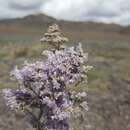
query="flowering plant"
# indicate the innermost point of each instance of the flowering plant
(44, 92)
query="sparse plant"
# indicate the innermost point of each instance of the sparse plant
(43, 92)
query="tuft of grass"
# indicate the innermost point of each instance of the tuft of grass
(97, 81)
(98, 85)
(93, 75)
(7, 85)
(20, 52)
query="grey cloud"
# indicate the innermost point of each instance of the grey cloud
(25, 5)
(72, 9)
(75, 10)
(19, 7)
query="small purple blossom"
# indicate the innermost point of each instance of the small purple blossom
(15, 99)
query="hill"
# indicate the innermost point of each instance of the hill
(41, 20)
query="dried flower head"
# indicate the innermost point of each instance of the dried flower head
(54, 37)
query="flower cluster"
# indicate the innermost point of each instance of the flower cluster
(54, 37)
(44, 85)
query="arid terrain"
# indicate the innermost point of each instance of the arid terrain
(108, 46)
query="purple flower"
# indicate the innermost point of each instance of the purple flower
(43, 85)
(15, 99)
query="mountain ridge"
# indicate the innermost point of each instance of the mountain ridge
(41, 20)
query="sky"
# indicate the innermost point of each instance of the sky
(108, 11)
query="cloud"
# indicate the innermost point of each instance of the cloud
(95, 10)
(108, 11)
(19, 8)
(25, 4)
